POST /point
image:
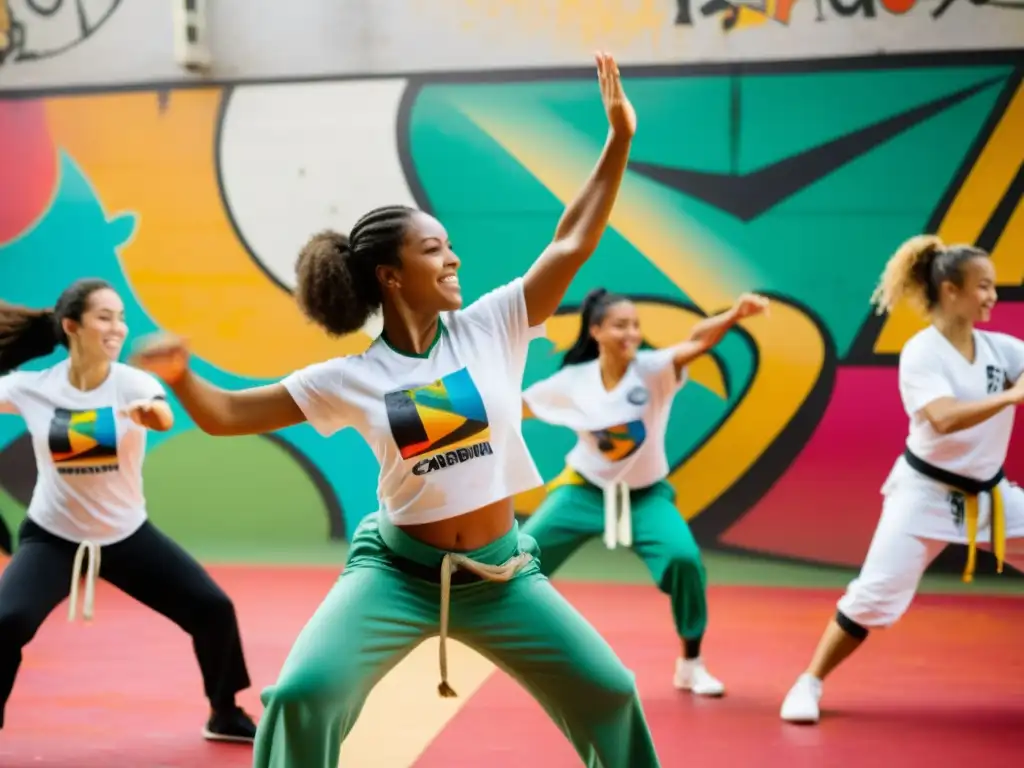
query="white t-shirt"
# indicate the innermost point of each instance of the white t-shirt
(620, 433)
(930, 368)
(446, 426)
(88, 457)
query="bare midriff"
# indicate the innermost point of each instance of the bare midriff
(468, 531)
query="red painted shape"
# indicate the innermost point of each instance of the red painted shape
(29, 164)
(826, 506)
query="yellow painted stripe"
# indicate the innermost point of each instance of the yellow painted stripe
(791, 354)
(975, 202)
(408, 696)
(159, 162)
(560, 158)
(791, 351)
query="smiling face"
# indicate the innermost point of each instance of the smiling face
(427, 280)
(617, 333)
(101, 331)
(974, 299)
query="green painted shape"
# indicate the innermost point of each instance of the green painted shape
(12, 512)
(244, 497)
(827, 245)
(494, 209)
(783, 115)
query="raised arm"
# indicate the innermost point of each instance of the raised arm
(217, 411)
(708, 332)
(584, 221)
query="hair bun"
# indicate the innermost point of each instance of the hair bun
(594, 296)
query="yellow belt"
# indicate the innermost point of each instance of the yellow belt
(971, 489)
(998, 530)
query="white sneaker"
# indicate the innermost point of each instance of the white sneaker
(801, 703)
(691, 675)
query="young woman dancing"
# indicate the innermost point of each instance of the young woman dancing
(960, 387)
(88, 417)
(617, 400)
(438, 398)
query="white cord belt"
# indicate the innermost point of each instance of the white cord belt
(91, 573)
(618, 517)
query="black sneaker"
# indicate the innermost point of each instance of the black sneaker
(230, 725)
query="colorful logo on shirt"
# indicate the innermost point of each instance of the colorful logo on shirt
(621, 442)
(83, 442)
(445, 422)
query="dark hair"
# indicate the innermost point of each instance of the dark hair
(337, 285)
(26, 334)
(592, 311)
(918, 269)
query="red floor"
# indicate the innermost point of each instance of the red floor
(944, 687)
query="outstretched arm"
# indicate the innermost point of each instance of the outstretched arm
(708, 332)
(584, 221)
(218, 411)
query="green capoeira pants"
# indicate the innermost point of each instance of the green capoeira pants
(387, 601)
(573, 512)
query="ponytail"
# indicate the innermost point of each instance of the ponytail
(25, 334)
(592, 312)
(918, 269)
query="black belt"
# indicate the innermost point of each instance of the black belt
(966, 484)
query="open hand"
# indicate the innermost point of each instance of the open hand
(621, 115)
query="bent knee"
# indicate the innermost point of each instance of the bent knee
(685, 564)
(215, 605)
(17, 628)
(613, 686)
(871, 607)
(316, 688)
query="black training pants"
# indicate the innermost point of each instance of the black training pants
(147, 566)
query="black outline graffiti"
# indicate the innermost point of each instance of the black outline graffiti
(747, 196)
(17, 31)
(862, 350)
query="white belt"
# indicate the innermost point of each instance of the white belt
(618, 518)
(91, 572)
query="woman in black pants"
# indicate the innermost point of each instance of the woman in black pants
(88, 416)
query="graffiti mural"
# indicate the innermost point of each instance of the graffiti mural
(39, 29)
(737, 14)
(797, 181)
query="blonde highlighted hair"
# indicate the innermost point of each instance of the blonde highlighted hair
(916, 271)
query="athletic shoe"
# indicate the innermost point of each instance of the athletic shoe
(801, 704)
(691, 675)
(230, 725)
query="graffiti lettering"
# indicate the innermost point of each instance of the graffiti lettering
(733, 14)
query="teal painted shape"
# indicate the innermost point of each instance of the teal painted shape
(827, 245)
(783, 115)
(822, 247)
(500, 218)
(77, 238)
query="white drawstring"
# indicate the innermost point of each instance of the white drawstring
(618, 517)
(451, 562)
(91, 573)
